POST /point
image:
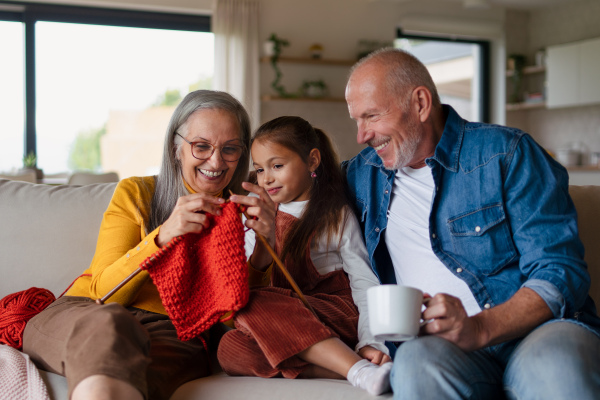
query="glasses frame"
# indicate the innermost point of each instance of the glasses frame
(213, 149)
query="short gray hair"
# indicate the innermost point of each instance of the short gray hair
(169, 182)
(404, 72)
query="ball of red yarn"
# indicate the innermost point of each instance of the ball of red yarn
(17, 309)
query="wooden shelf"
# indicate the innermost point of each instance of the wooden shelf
(525, 106)
(269, 97)
(532, 69)
(313, 61)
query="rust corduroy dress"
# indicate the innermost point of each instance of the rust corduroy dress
(275, 325)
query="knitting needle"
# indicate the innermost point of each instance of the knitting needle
(101, 300)
(283, 269)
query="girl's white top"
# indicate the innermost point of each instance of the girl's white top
(346, 252)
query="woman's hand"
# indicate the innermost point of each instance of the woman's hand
(188, 216)
(375, 356)
(261, 211)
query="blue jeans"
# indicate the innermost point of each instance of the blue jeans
(559, 360)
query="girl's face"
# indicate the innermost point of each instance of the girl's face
(282, 172)
(219, 128)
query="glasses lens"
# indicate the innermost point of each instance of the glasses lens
(202, 150)
(231, 153)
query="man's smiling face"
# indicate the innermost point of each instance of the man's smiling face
(381, 120)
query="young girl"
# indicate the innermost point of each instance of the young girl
(317, 237)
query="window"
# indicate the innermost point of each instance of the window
(12, 112)
(459, 68)
(105, 85)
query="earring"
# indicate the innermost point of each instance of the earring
(313, 175)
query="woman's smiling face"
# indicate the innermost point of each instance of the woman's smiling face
(219, 128)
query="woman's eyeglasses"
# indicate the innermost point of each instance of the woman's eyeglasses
(204, 150)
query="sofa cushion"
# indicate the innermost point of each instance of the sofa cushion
(587, 204)
(48, 235)
(221, 386)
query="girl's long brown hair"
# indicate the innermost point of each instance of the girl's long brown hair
(328, 201)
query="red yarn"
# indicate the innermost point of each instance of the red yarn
(17, 309)
(201, 277)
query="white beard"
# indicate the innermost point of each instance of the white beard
(406, 150)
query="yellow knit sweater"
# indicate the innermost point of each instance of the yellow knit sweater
(123, 245)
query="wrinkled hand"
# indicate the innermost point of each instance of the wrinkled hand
(450, 321)
(375, 356)
(261, 208)
(188, 216)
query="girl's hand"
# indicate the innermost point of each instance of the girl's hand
(375, 356)
(188, 216)
(262, 208)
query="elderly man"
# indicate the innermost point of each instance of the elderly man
(479, 217)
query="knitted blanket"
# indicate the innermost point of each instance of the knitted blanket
(19, 378)
(201, 277)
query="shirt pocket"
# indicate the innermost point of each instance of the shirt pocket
(482, 238)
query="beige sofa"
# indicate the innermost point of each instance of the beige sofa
(48, 236)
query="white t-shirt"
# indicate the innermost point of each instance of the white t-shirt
(351, 256)
(408, 242)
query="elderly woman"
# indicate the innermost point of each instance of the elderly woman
(129, 348)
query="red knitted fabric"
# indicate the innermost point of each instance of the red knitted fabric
(17, 309)
(201, 277)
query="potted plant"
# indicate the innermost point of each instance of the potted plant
(316, 51)
(277, 44)
(516, 63)
(30, 163)
(314, 89)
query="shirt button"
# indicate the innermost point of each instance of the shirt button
(138, 248)
(127, 256)
(459, 270)
(146, 242)
(487, 306)
(376, 229)
(433, 235)
(387, 191)
(477, 228)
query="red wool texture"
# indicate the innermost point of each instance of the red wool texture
(200, 277)
(17, 309)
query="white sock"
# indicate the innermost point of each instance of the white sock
(371, 377)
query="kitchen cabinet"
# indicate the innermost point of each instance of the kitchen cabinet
(573, 78)
(589, 70)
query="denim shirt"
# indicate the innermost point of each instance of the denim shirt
(501, 217)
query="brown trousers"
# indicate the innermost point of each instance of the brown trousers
(77, 338)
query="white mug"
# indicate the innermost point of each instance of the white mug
(394, 312)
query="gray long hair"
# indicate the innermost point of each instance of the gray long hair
(404, 72)
(169, 182)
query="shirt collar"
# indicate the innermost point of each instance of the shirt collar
(447, 151)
